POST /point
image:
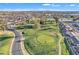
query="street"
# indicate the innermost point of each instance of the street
(16, 48)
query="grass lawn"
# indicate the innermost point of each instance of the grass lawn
(64, 50)
(44, 41)
(40, 43)
(5, 42)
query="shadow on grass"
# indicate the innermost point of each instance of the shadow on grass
(5, 37)
(25, 27)
(1, 53)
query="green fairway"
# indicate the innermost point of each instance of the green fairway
(5, 42)
(43, 41)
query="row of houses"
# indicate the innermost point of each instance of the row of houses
(71, 37)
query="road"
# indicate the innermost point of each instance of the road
(16, 47)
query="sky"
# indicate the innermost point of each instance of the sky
(40, 6)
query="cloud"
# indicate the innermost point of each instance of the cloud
(52, 5)
(72, 5)
(46, 4)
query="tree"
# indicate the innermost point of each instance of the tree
(3, 25)
(56, 19)
(37, 23)
(72, 16)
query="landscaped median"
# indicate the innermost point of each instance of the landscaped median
(5, 42)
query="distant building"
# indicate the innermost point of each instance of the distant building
(65, 19)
